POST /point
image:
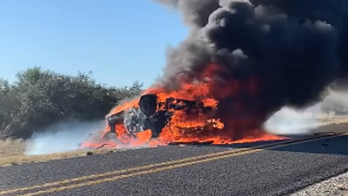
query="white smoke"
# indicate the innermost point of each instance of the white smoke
(337, 102)
(61, 137)
(288, 121)
(291, 121)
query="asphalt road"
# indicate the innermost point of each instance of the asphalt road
(244, 169)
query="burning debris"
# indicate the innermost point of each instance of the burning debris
(243, 59)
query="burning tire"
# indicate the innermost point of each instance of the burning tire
(148, 104)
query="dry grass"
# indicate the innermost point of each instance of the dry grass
(336, 120)
(12, 148)
(12, 151)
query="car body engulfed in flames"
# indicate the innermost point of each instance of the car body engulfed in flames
(152, 116)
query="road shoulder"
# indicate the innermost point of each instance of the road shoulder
(335, 186)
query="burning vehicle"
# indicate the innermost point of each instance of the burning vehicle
(152, 115)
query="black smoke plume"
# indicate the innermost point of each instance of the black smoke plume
(296, 48)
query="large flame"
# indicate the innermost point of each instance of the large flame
(236, 122)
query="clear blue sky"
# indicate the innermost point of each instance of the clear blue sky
(119, 40)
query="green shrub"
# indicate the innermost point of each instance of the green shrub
(40, 98)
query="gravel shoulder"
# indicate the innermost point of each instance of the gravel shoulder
(336, 186)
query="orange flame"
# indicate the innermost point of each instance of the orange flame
(182, 127)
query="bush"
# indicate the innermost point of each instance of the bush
(40, 98)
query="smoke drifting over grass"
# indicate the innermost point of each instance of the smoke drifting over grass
(294, 121)
(289, 121)
(337, 102)
(61, 137)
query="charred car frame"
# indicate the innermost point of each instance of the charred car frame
(154, 115)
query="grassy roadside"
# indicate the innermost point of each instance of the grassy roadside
(12, 151)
